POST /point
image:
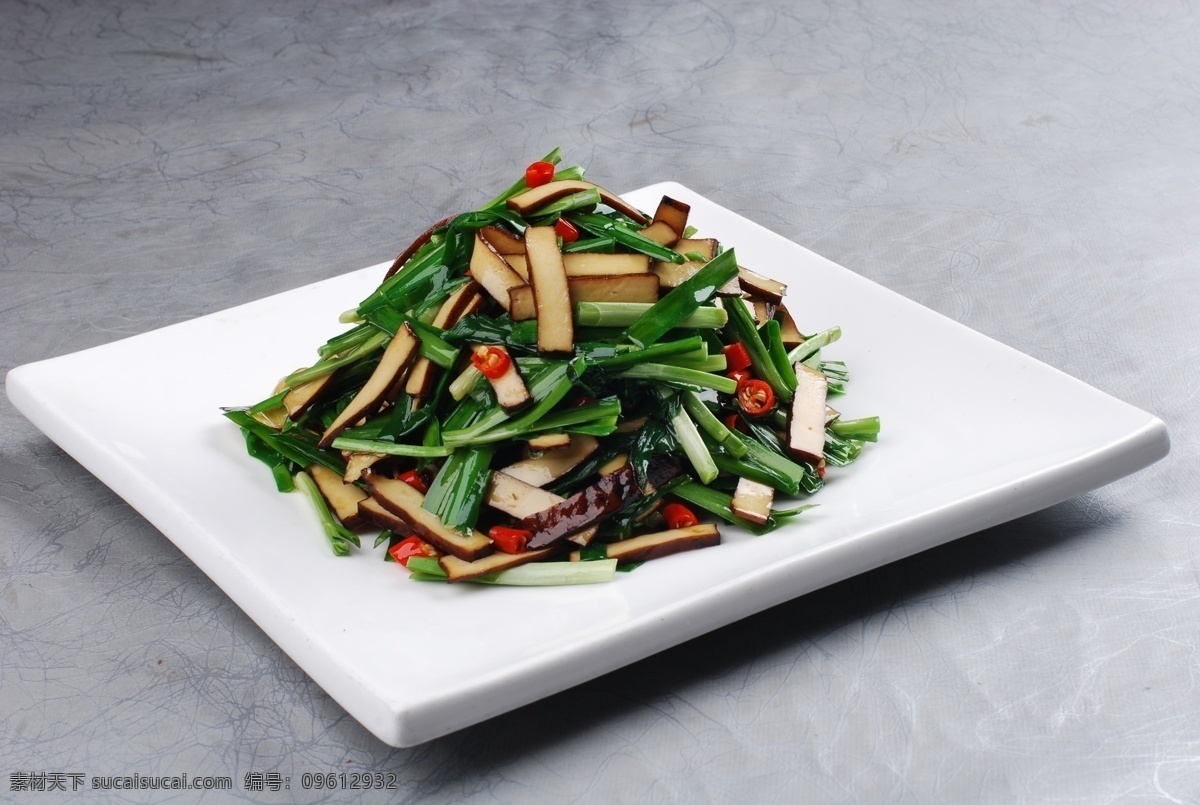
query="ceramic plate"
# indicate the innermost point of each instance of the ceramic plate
(995, 436)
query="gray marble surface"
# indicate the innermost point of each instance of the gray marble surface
(1030, 169)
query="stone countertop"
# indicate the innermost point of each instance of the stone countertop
(1028, 169)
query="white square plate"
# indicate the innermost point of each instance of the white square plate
(994, 436)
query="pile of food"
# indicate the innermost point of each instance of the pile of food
(554, 387)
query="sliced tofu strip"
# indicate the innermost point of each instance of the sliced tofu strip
(831, 414)
(660, 544)
(623, 288)
(671, 275)
(405, 502)
(357, 463)
(613, 464)
(458, 304)
(503, 241)
(556, 325)
(458, 570)
(661, 233)
(544, 469)
(705, 247)
(752, 500)
(510, 389)
(398, 356)
(758, 285)
(519, 264)
(549, 441)
(763, 311)
(538, 197)
(787, 328)
(516, 498)
(489, 270)
(520, 500)
(806, 421)
(674, 214)
(373, 512)
(421, 240)
(590, 264)
(586, 508)
(301, 398)
(343, 498)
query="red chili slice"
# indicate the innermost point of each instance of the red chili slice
(414, 479)
(566, 230)
(509, 539)
(409, 547)
(539, 173)
(755, 397)
(736, 357)
(734, 422)
(740, 376)
(493, 362)
(679, 516)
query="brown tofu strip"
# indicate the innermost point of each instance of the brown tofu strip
(457, 305)
(661, 233)
(541, 470)
(806, 419)
(405, 502)
(556, 326)
(343, 498)
(489, 270)
(503, 241)
(400, 352)
(421, 240)
(589, 264)
(538, 197)
(376, 515)
(520, 500)
(620, 288)
(660, 544)
(673, 213)
(584, 509)
(458, 570)
(301, 398)
(758, 285)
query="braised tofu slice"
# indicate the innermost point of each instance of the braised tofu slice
(511, 393)
(547, 275)
(405, 502)
(397, 357)
(674, 214)
(489, 270)
(460, 570)
(373, 512)
(760, 286)
(548, 467)
(589, 264)
(787, 328)
(504, 242)
(342, 498)
(462, 302)
(752, 500)
(622, 288)
(520, 500)
(421, 240)
(660, 544)
(535, 198)
(671, 275)
(661, 233)
(549, 441)
(584, 509)
(302, 397)
(806, 421)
